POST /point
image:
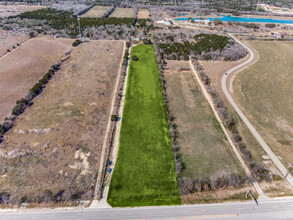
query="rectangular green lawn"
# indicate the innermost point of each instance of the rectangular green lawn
(144, 173)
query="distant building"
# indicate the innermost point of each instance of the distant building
(168, 23)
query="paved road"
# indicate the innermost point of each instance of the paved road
(266, 148)
(280, 209)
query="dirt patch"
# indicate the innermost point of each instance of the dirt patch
(123, 13)
(96, 12)
(11, 10)
(143, 13)
(58, 154)
(25, 66)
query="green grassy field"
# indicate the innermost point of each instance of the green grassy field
(144, 173)
(265, 90)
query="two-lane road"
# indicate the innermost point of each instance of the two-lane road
(279, 209)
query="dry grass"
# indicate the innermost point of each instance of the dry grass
(215, 70)
(263, 91)
(143, 13)
(9, 41)
(57, 141)
(123, 13)
(11, 10)
(96, 12)
(205, 152)
(25, 66)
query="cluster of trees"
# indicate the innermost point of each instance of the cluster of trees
(110, 32)
(258, 170)
(270, 25)
(188, 185)
(206, 47)
(23, 103)
(65, 20)
(248, 25)
(172, 126)
(77, 9)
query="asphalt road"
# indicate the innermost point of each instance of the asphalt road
(266, 148)
(279, 209)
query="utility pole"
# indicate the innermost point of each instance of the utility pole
(78, 21)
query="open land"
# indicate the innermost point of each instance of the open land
(9, 41)
(205, 152)
(123, 13)
(143, 13)
(215, 70)
(263, 92)
(12, 10)
(52, 152)
(96, 12)
(25, 66)
(144, 173)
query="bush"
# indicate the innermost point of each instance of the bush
(217, 22)
(32, 34)
(76, 43)
(114, 117)
(270, 25)
(135, 58)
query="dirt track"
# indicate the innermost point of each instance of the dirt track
(25, 66)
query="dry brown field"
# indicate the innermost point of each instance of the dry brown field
(25, 66)
(96, 12)
(205, 151)
(123, 13)
(9, 41)
(11, 10)
(264, 91)
(53, 151)
(215, 70)
(143, 13)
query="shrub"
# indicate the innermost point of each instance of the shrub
(269, 25)
(135, 58)
(32, 34)
(114, 117)
(76, 43)
(217, 22)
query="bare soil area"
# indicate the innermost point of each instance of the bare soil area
(53, 151)
(96, 12)
(143, 13)
(11, 10)
(123, 13)
(25, 66)
(9, 41)
(205, 152)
